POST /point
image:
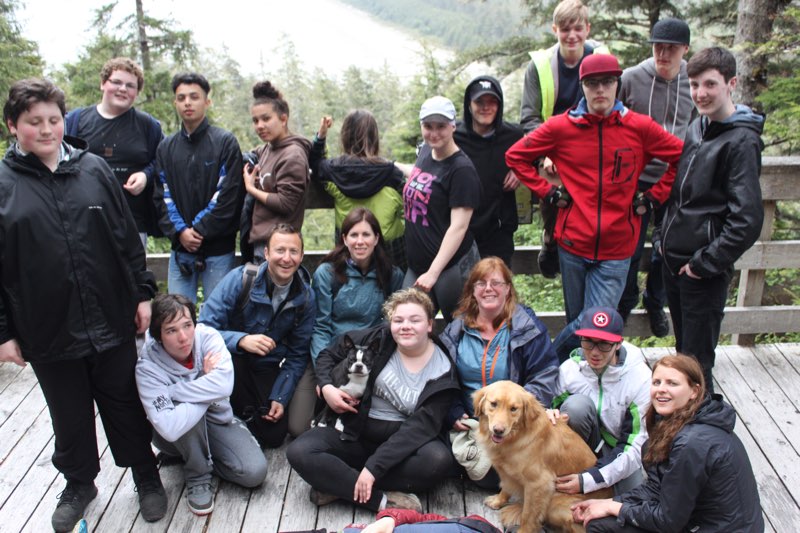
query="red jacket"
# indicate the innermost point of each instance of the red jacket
(599, 160)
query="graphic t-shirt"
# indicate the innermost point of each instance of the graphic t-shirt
(122, 142)
(432, 190)
(397, 390)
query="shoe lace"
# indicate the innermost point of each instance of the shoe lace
(147, 485)
(68, 496)
(200, 487)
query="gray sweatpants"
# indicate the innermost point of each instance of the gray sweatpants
(229, 450)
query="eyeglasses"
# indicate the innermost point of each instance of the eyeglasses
(119, 83)
(603, 346)
(249, 413)
(495, 284)
(594, 83)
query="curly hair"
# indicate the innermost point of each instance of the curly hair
(266, 93)
(124, 64)
(662, 430)
(468, 305)
(408, 296)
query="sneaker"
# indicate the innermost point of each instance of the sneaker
(548, 260)
(152, 496)
(320, 498)
(200, 498)
(72, 503)
(403, 500)
(659, 324)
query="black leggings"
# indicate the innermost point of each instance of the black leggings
(609, 524)
(332, 465)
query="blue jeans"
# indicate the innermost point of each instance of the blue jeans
(586, 283)
(186, 284)
(654, 295)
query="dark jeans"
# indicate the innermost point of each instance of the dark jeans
(654, 296)
(250, 401)
(332, 465)
(70, 387)
(696, 306)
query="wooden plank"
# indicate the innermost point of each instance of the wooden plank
(21, 402)
(266, 502)
(769, 438)
(780, 369)
(765, 389)
(473, 503)
(183, 519)
(8, 373)
(230, 506)
(337, 515)
(23, 456)
(299, 514)
(780, 178)
(362, 515)
(447, 498)
(791, 352)
(751, 282)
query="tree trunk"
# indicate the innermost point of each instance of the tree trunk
(144, 47)
(753, 29)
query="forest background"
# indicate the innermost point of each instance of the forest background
(493, 36)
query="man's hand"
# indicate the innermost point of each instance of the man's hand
(210, 362)
(275, 412)
(510, 183)
(558, 196)
(338, 400)
(257, 344)
(583, 512)
(324, 125)
(569, 484)
(136, 183)
(643, 204)
(190, 240)
(686, 269)
(383, 525)
(547, 170)
(10, 353)
(458, 425)
(363, 489)
(143, 313)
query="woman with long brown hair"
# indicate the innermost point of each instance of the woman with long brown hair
(699, 477)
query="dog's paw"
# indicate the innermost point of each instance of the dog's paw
(496, 501)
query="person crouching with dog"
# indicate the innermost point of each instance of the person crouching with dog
(392, 443)
(185, 377)
(604, 389)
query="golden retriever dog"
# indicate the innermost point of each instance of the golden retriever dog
(529, 452)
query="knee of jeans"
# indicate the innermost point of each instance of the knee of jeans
(255, 472)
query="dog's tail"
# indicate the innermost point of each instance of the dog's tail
(511, 514)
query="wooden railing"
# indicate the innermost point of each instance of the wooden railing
(780, 181)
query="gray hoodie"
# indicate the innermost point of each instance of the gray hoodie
(668, 102)
(174, 397)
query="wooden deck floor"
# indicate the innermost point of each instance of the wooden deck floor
(762, 383)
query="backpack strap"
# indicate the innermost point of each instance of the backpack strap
(248, 277)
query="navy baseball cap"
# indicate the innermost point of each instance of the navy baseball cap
(601, 323)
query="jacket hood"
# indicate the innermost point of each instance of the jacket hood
(644, 79)
(715, 412)
(582, 111)
(495, 85)
(72, 149)
(292, 139)
(742, 117)
(360, 179)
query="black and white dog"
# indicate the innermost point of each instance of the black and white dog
(350, 376)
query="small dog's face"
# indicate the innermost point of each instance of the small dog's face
(503, 407)
(359, 358)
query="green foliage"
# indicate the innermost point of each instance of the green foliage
(19, 57)
(782, 98)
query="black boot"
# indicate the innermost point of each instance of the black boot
(72, 502)
(152, 496)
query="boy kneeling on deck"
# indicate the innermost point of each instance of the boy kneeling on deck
(185, 377)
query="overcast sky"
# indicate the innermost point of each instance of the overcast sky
(327, 34)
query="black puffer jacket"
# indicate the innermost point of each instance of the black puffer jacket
(423, 426)
(714, 212)
(71, 263)
(706, 484)
(498, 207)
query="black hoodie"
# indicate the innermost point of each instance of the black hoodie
(498, 208)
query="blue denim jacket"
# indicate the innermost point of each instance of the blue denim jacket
(290, 327)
